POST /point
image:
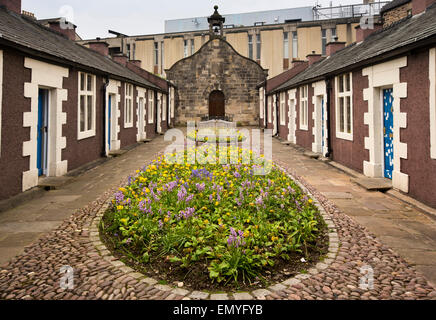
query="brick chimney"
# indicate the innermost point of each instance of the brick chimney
(136, 63)
(362, 34)
(419, 6)
(64, 27)
(120, 58)
(332, 47)
(11, 5)
(296, 62)
(313, 57)
(99, 46)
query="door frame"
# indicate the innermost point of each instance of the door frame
(381, 128)
(44, 143)
(224, 104)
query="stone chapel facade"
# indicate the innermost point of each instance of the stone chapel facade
(217, 82)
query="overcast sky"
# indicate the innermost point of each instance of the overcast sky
(136, 17)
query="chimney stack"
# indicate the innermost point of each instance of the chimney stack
(99, 46)
(419, 6)
(120, 58)
(333, 47)
(11, 5)
(313, 57)
(136, 63)
(362, 34)
(64, 27)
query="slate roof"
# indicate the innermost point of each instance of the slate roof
(28, 34)
(393, 5)
(379, 44)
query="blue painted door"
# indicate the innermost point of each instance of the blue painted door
(42, 131)
(388, 132)
(109, 123)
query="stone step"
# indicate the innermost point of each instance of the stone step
(53, 183)
(117, 153)
(312, 155)
(374, 184)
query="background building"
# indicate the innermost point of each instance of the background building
(267, 37)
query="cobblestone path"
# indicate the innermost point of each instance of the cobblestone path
(35, 274)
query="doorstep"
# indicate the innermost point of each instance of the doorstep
(145, 140)
(374, 184)
(312, 155)
(117, 153)
(286, 143)
(53, 183)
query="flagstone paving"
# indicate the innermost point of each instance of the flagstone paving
(368, 225)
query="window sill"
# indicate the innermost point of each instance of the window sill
(304, 128)
(128, 125)
(86, 135)
(344, 136)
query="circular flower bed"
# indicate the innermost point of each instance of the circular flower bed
(214, 225)
(219, 135)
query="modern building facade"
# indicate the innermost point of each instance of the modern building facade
(274, 41)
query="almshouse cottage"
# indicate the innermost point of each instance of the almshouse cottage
(63, 105)
(370, 106)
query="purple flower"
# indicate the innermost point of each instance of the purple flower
(236, 239)
(200, 187)
(182, 193)
(189, 198)
(160, 224)
(237, 175)
(119, 197)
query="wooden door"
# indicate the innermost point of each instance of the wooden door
(217, 105)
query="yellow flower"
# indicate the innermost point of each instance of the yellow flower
(123, 221)
(217, 203)
(310, 201)
(120, 207)
(147, 190)
(166, 219)
(206, 221)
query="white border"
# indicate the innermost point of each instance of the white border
(432, 74)
(292, 115)
(92, 132)
(50, 77)
(382, 76)
(339, 134)
(283, 108)
(304, 127)
(150, 106)
(142, 94)
(128, 125)
(113, 89)
(319, 92)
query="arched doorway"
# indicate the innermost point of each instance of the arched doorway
(217, 108)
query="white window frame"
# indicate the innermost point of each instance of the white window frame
(282, 108)
(347, 132)
(172, 105)
(164, 107)
(150, 106)
(432, 74)
(250, 47)
(304, 108)
(128, 105)
(285, 45)
(270, 102)
(88, 132)
(294, 44)
(261, 103)
(1, 97)
(185, 48)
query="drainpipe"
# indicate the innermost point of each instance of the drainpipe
(104, 90)
(329, 118)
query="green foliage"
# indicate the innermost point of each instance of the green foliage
(222, 216)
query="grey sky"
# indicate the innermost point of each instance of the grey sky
(135, 17)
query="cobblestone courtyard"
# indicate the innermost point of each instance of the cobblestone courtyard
(373, 229)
